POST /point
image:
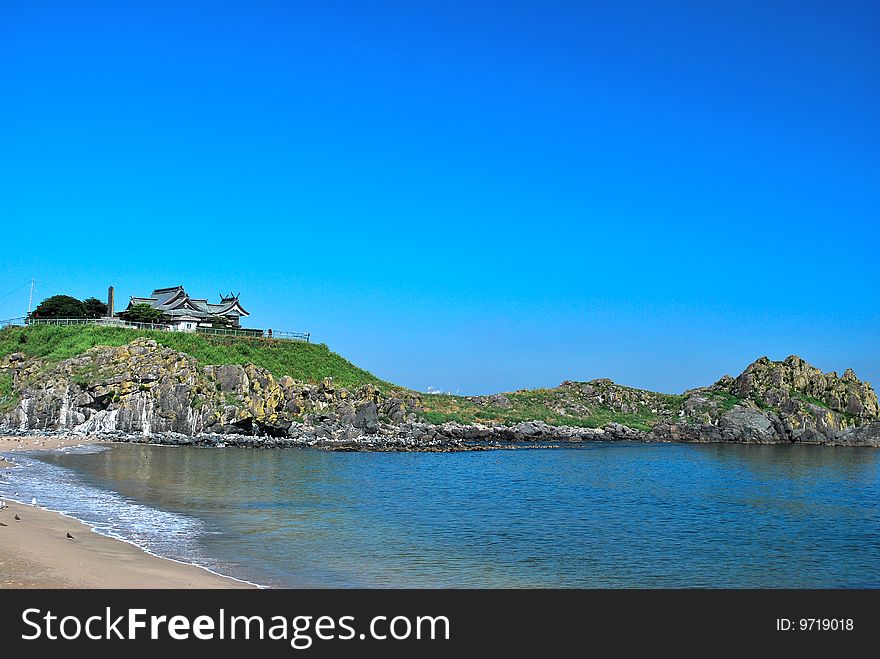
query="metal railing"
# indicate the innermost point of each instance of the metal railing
(265, 334)
(162, 327)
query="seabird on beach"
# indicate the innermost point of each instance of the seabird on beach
(70, 537)
(3, 524)
(17, 518)
(3, 504)
(33, 501)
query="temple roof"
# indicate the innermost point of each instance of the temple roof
(175, 301)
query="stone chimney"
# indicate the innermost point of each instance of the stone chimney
(110, 302)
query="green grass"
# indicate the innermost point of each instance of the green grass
(847, 418)
(310, 362)
(540, 405)
(801, 396)
(313, 362)
(5, 384)
(88, 373)
(727, 400)
(7, 398)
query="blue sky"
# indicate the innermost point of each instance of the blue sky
(471, 196)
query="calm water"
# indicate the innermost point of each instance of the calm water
(597, 515)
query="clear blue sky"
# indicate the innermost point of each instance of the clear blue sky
(473, 196)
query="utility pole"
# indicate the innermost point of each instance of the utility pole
(30, 298)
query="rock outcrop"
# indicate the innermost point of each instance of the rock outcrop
(146, 392)
(143, 388)
(796, 388)
(779, 402)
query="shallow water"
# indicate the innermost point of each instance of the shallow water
(595, 515)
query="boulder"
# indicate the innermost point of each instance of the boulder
(748, 425)
(366, 417)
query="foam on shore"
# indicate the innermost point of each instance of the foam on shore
(160, 533)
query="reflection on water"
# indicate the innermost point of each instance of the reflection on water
(599, 515)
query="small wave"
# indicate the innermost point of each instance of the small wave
(158, 532)
(84, 449)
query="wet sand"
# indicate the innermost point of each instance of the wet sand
(35, 551)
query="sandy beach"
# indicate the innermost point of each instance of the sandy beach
(11, 444)
(35, 551)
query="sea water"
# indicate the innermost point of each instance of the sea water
(619, 515)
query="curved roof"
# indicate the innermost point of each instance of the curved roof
(175, 300)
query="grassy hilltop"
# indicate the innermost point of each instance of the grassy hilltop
(576, 404)
(770, 401)
(792, 389)
(310, 362)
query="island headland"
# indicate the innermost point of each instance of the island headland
(172, 388)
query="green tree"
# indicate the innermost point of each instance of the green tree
(60, 306)
(143, 313)
(94, 308)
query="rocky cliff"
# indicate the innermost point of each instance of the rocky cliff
(772, 402)
(145, 390)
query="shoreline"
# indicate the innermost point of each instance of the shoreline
(35, 552)
(449, 438)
